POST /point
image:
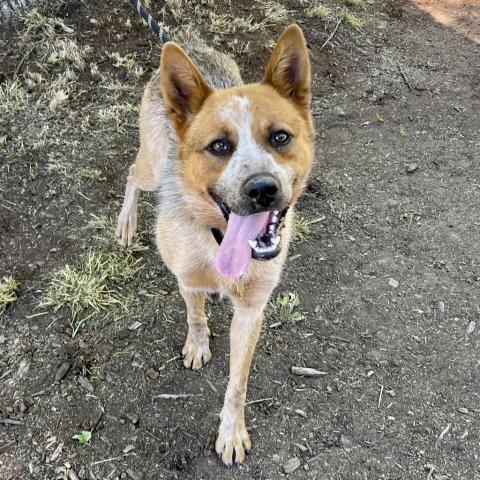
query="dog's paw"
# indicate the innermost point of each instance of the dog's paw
(126, 228)
(196, 351)
(233, 442)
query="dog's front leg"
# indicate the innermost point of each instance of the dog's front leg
(196, 351)
(233, 440)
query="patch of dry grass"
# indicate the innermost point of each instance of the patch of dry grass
(302, 228)
(274, 12)
(91, 286)
(318, 11)
(8, 293)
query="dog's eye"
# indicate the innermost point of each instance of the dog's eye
(220, 147)
(280, 138)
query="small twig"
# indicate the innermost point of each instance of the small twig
(308, 372)
(22, 61)
(258, 401)
(170, 396)
(380, 396)
(331, 35)
(444, 432)
(107, 460)
(407, 83)
(11, 421)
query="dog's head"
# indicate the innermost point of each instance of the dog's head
(243, 152)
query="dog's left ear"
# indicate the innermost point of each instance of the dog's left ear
(288, 70)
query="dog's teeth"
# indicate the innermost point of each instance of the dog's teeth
(271, 228)
(253, 244)
(276, 240)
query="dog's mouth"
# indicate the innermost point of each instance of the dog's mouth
(255, 236)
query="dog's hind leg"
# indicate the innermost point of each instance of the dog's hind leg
(196, 351)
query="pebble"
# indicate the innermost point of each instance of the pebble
(152, 373)
(339, 111)
(345, 441)
(3, 339)
(393, 283)
(463, 410)
(471, 327)
(411, 167)
(291, 465)
(441, 307)
(132, 417)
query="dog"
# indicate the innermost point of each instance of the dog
(229, 161)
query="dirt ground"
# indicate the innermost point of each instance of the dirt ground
(388, 277)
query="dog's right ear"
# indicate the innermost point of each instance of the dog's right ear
(183, 86)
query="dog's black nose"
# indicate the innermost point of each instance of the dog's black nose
(261, 189)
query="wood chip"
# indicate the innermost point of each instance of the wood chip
(308, 372)
(301, 413)
(132, 474)
(86, 384)
(291, 465)
(62, 371)
(57, 452)
(135, 326)
(471, 327)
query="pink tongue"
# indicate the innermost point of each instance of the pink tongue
(235, 253)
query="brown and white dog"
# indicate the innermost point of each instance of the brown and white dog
(229, 162)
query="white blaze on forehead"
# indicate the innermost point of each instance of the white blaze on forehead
(249, 156)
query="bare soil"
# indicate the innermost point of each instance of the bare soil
(388, 280)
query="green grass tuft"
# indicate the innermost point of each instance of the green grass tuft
(287, 308)
(352, 21)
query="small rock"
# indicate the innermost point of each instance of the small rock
(135, 326)
(339, 111)
(411, 167)
(471, 327)
(82, 344)
(345, 441)
(152, 373)
(128, 448)
(275, 457)
(463, 410)
(393, 283)
(301, 413)
(291, 465)
(132, 417)
(441, 307)
(62, 371)
(3, 339)
(332, 352)
(86, 384)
